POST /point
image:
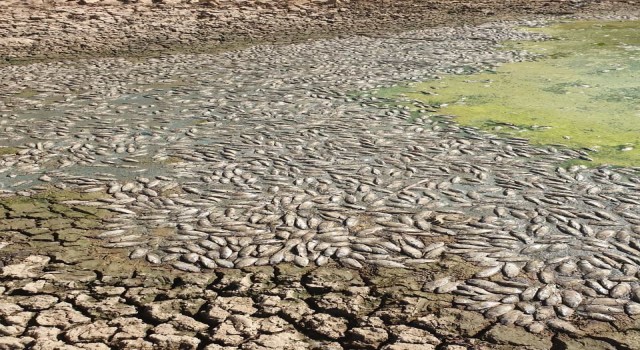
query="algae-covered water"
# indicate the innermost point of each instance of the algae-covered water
(584, 93)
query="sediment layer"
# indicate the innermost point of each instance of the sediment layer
(54, 29)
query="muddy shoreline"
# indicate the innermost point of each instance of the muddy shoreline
(35, 31)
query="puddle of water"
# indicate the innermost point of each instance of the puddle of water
(584, 93)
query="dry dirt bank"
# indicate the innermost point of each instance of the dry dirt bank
(55, 29)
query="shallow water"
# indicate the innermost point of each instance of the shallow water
(582, 93)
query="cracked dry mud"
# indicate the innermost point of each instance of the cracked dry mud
(265, 199)
(280, 307)
(51, 29)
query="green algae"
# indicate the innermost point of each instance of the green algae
(27, 93)
(582, 93)
(8, 150)
(52, 211)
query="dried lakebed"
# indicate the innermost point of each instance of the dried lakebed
(356, 223)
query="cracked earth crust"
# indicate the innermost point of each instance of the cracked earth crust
(48, 304)
(37, 30)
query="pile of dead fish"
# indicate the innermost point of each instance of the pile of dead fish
(281, 154)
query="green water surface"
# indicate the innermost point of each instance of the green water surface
(584, 93)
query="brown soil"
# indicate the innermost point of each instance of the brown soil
(49, 30)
